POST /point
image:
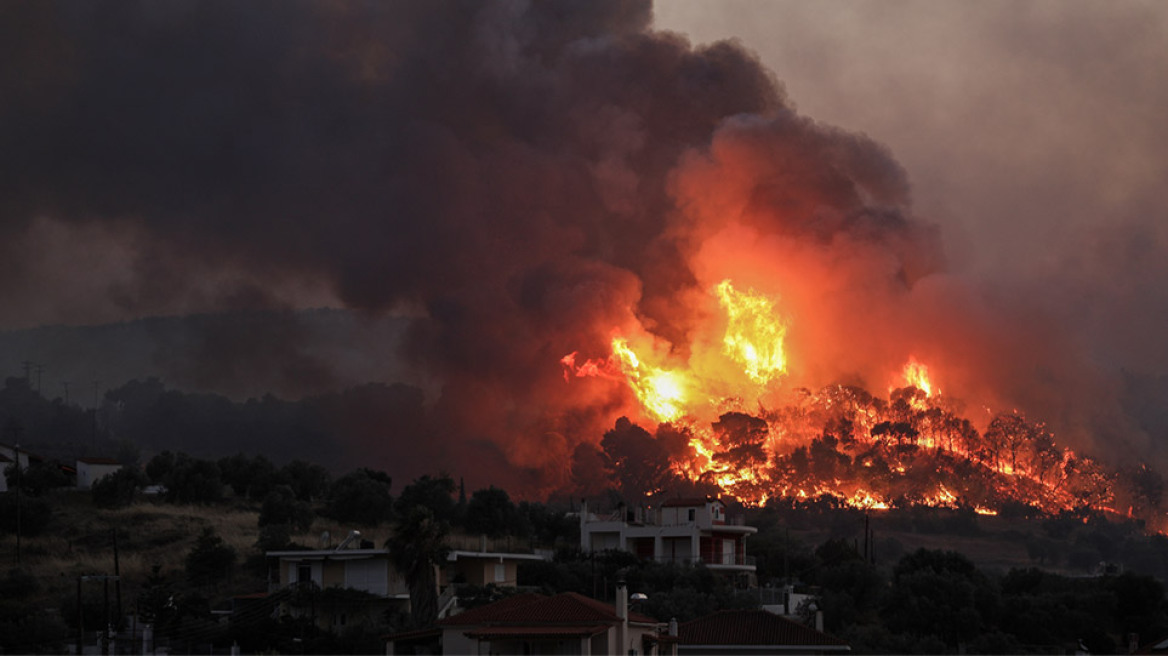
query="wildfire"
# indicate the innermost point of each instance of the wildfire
(917, 375)
(754, 334)
(840, 443)
(660, 391)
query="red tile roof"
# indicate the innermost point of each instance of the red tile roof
(488, 612)
(752, 627)
(495, 632)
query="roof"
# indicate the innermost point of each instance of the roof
(490, 611)
(753, 627)
(688, 503)
(496, 632)
(566, 608)
(99, 461)
(331, 554)
(455, 554)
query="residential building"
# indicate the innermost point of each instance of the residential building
(687, 531)
(8, 456)
(754, 632)
(483, 568)
(369, 570)
(338, 573)
(91, 470)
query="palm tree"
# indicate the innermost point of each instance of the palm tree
(418, 547)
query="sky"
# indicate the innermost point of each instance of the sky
(979, 183)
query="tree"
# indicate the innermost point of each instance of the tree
(160, 467)
(743, 440)
(639, 462)
(435, 493)
(118, 489)
(418, 547)
(309, 481)
(37, 478)
(282, 507)
(491, 512)
(361, 498)
(252, 478)
(192, 481)
(211, 559)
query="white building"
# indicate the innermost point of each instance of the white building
(679, 531)
(90, 470)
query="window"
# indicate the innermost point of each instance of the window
(500, 572)
(304, 573)
(693, 514)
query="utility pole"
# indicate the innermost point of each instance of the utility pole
(40, 370)
(80, 619)
(19, 498)
(117, 577)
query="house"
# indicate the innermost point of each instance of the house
(483, 567)
(8, 456)
(566, 623)
(680, 531)
(755, 632)
(91, 470)
(338, 586)
(9, 452)
(370, 570)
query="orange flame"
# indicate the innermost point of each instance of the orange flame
(875, 454)
(754, 335)
(917, 375)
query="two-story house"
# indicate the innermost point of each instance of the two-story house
(367, 570)
(370, 570)
(679, 531)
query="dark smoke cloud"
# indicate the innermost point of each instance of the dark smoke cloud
(519, 178)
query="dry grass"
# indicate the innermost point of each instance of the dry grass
(79, 541)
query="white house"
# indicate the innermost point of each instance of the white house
(679, 531)
(8, 455)
(91, 470)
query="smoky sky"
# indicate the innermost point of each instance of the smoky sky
(516, 178)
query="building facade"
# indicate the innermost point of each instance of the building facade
(685, 531)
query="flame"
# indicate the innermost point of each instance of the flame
(840, 444)
(917, 375)
(661, 392)
(754, 334)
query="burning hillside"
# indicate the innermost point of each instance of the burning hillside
(725, 423)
